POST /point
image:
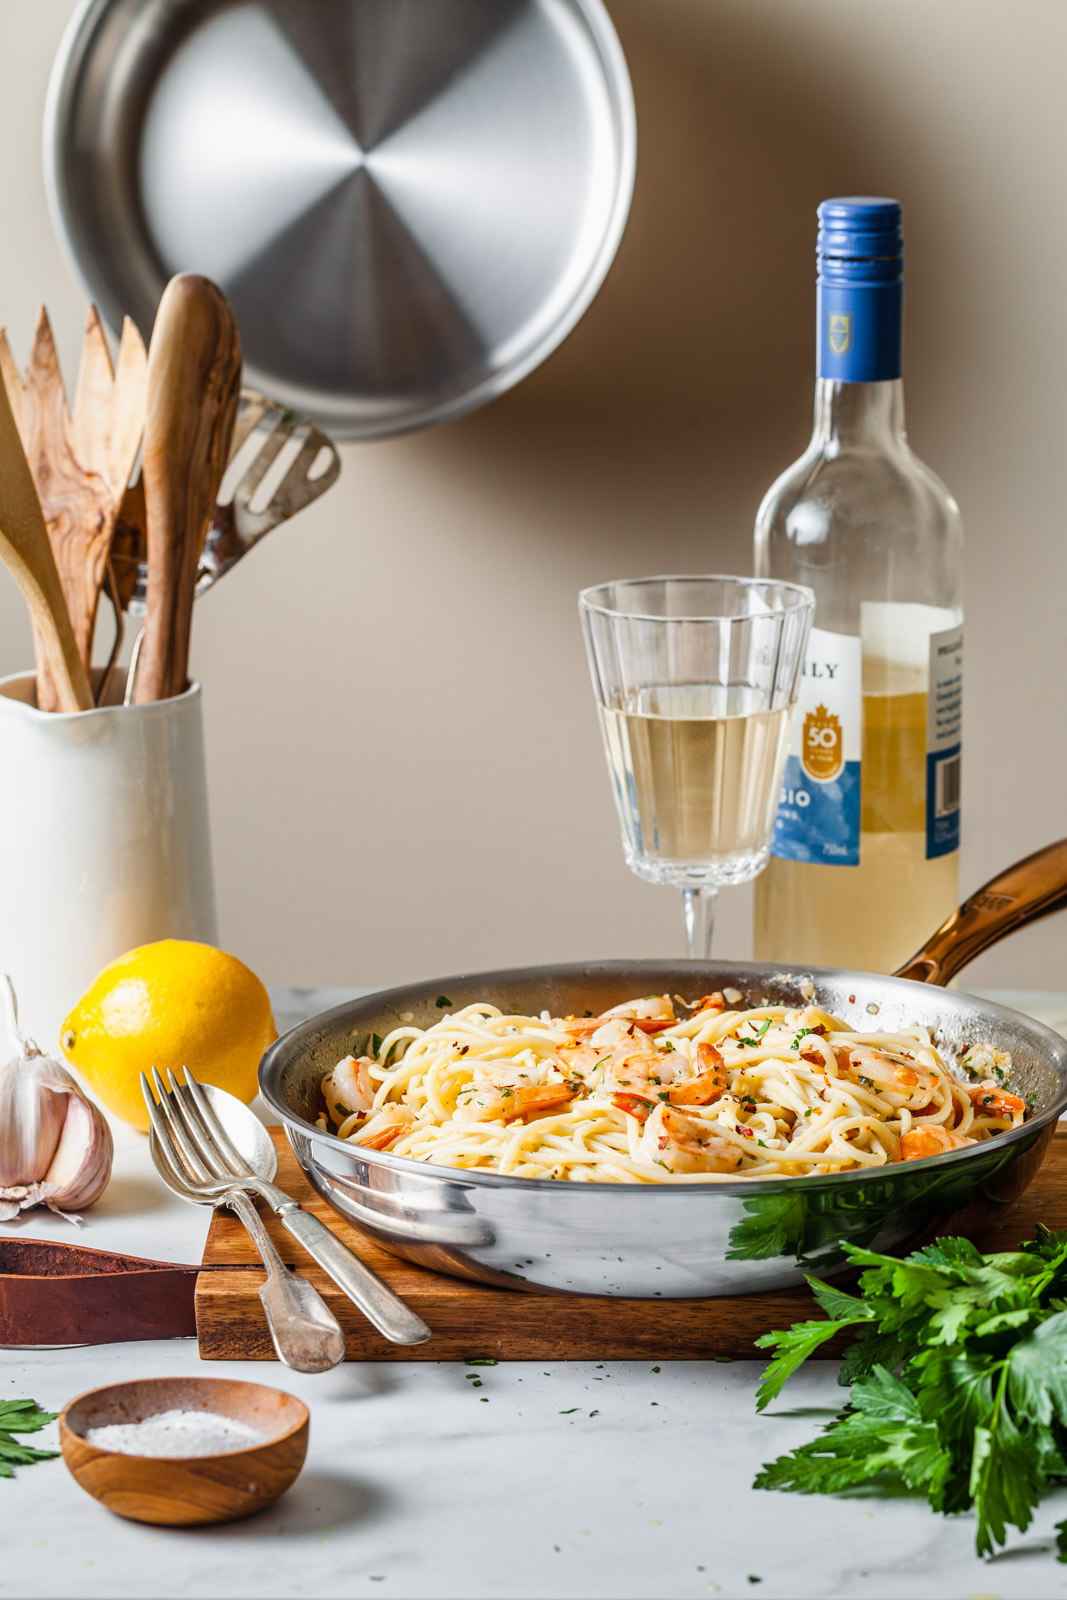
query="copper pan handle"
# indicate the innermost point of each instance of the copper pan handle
(1023, 893)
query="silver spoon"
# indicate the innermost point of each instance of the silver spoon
(304, 1331)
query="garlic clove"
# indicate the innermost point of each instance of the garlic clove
(80, 1169)
(55, 1145)
(32, 1111)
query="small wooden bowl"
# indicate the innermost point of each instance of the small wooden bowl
(180, 1491)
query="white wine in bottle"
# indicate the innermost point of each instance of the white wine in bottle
(864, 862)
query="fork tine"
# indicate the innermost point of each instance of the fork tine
(161, 1131)
(178, 1139)
(165, 1151)
(224, 1147)
(178, 1100)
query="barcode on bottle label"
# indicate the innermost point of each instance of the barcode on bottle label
(944, 720)
(947, 787)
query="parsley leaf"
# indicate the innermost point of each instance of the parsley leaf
(21, 1416)
(1037, 1372)
(792, 1349)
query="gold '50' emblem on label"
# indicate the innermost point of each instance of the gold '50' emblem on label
(823, 751)
(840, 332)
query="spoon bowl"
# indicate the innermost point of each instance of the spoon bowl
(245, 1131)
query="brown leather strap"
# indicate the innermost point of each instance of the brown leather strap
(67, 1294)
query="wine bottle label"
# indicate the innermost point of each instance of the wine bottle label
(944, 720)
(819, 807)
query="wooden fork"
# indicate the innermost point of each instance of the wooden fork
(80, 463)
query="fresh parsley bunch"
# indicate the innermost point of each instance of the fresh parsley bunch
(977, 1417)
(21, 1416)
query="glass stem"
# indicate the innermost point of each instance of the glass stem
(700, 920)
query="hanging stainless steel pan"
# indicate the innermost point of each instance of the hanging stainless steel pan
(409, 203)
(686, 1240)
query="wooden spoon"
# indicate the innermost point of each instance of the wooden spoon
(81, 464)
(194, 380)
(26, 551)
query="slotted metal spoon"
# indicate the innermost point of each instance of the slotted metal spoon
(279, 464)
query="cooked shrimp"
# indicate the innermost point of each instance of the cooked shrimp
(708, 1002)
(642, 1072)
(680, 1145)
(892, 1077)
(705, 1085)
(349, 1089)
(918, 1143)
(506, 1095)
(636, 1082)
(379, 1131)
(650, 1015)
(990, 1100)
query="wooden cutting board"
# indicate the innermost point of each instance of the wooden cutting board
(470, 1319)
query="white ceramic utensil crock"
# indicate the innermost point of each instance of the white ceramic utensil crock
(104, 841)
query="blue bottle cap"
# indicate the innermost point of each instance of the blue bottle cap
(860, 240)
(860, 289)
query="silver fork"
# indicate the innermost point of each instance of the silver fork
(198, 1147)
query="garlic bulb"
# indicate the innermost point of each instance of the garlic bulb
(55, 1146)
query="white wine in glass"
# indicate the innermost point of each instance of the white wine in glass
(695, 681)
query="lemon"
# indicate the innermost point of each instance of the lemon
(172, 1004)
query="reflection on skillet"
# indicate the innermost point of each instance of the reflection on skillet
(665, 1090)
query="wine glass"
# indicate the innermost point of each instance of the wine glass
(695, 679)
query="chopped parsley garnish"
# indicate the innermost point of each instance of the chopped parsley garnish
(759, 1032)
(803, 1034)
(442, 1002)
(375, 1044)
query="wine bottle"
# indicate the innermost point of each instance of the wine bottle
(864, 862)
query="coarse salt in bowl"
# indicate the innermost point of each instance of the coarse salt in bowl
(182, 1451)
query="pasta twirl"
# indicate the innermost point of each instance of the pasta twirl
(643, 1095)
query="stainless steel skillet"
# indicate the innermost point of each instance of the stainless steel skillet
(679, 1241)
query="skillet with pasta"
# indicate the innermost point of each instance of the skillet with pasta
(658, 1090)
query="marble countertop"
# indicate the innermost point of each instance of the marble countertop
(566, 1479)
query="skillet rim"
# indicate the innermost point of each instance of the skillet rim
(271, 1067)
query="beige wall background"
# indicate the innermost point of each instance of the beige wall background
(404, 761)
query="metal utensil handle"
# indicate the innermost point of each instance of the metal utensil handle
(378, 1303)
(1025, 892)
(304, 1331)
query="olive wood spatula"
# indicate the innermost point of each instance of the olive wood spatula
(80, 463)
(25, 550)
(194, 380)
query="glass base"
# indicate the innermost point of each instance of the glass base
(740, 868)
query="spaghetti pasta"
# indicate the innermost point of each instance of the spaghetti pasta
(641, 1095)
